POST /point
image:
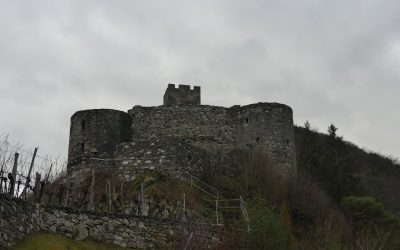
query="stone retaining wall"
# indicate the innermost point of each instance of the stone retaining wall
(19, 218)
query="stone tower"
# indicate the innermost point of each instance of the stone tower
(97, 132)
(182, 95)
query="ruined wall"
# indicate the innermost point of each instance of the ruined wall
(268, 126)
(19, 218)
(170, 156)
(97, 132)
(196, 123)
(182, 95)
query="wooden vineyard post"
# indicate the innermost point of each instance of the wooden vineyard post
(28, 177)
(37, 187)
(13, 176)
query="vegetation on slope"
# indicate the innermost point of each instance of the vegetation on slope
(342, 197)
(45, 241)
(343, 169)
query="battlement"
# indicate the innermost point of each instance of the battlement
(183, 95)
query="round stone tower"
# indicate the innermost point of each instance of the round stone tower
(269, 126)
(96, 132)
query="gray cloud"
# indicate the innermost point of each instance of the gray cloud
(331, 61)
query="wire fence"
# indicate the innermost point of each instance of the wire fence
(21, 168)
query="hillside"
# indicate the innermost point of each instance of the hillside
(343, 197)
(343, 169)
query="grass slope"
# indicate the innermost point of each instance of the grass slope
(45, 241)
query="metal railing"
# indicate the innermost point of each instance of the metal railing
(221, 205)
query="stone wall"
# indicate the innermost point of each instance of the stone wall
(17, 219)
(119, 230)
(268, 126)
(20, 218)
(172, 157)
(196, 123)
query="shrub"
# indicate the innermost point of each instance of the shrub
(266, 231)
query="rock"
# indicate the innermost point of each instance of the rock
(97, 233)
(62, 214)
(141, 225)
(51, 219)
(89, 222)
(60, 220)
(145, 209)
(80, 232)
(68, 224)
(165, 214)
(53, 229)
(118, 240)
(83, 217)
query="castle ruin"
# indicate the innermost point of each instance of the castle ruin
(114, 155)
(177, 135)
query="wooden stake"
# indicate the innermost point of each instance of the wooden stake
(13, 176)
(48, 174)
(1, 178)
(28, 178)
(37, 186)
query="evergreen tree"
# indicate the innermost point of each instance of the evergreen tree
(332, 130)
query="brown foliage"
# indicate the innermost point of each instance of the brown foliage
(316, 223)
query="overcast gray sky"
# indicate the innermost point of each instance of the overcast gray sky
(331, 61)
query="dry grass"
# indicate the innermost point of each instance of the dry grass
(45, 241)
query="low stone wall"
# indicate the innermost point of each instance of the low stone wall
(124, 231)
(19, 218)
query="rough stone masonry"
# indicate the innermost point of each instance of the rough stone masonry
(171, 135)
(19, 218)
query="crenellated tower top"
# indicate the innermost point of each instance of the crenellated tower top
(183, 95)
